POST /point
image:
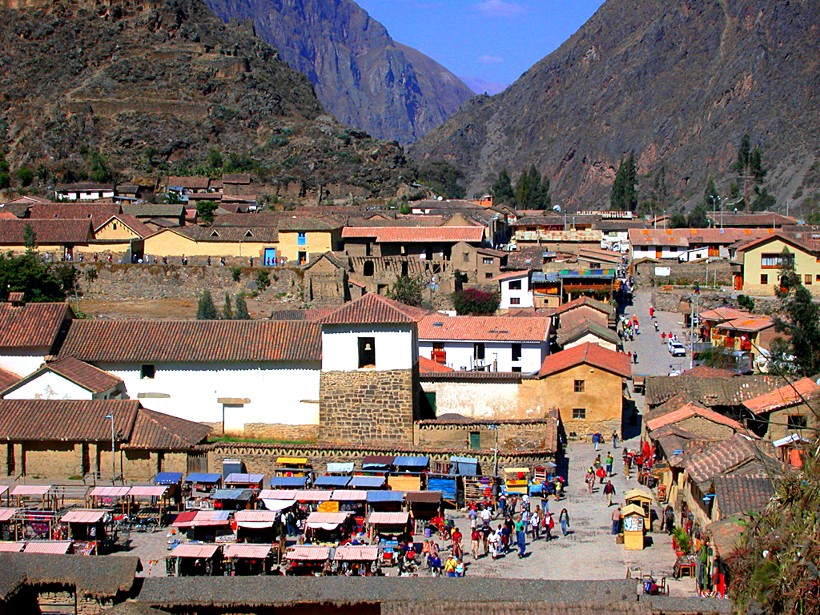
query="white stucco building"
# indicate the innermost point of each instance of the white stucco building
(515, 290)
(29, 333)
(490, 343)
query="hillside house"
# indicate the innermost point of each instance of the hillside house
(57, 239)
(485, 343)
(66, 378)
(792, 409)
(671, 243)
(232, 242)
(514, 290)
(84, 191)
(156, 215)
(98, 213)
(757, 264)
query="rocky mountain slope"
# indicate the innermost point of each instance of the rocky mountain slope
(675, 81)
(155, 85)
(361, 76)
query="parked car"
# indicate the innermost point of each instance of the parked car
(676, 349)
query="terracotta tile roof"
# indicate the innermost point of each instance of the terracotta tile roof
(372, 308)
(784, 397)
(87, 376)
(742, 494)
(511, 275)
(709, 392)
(227, 233)
(132, 222)
(796, 240)
(192, 340)
(96, 212)
(738, 454)
(704, 371)
(428, 366)
(412, 234)
(749, 324)
(28, 200)
(153, 210)
(33, 325)
(48, 232)
(763, 219)
(591, 354)
(587, 301)
(684, 237)
(155, 431)
(7, 379)
(236, 178)
(67, 420)
(7, 215)
(303, 223)
(691, 410)
(484, 328)
(188, 181)
(723, 313)
(567, 335)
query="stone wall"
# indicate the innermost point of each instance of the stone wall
(372, 406)
(132, 282)
(512, 436)
(719, 272)
(677, 300)
(275, 431)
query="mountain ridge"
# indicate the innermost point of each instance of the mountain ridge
(675, 82)
(361, 75)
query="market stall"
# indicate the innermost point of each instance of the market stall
(173, 481)
(314, 498)
(197, 489)
(39, 497)
(424, 506)
(243, 480)
(147, 501)
(356, 560)
(194, 560)
(328, 527)
(90, 530)
(232, 499)
(409, 473)
(351, 501)
(256, 526)
(277, 499)
(9, 525)
(385, 501)
(292, 466)
(378, 465)
(205, 525)
(49, 547)
(341, 468)
(11, 547)
(306, 560)
(247, 559)
(288, 482)
(388, 529)
(367, 482)
(331, 482)
(113, 498)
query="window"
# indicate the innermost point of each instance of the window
(797, 421)
(516, 352)
(579, 386)
(148, 371)
(301, 239)
(764, 278)
(516, 369)
(115, 226)
(466, 257)
(776, 261)
(515, 285)
(475, 440)
(579, 414)
(515, 300)
(478, 351)
(807, 278)
(489, 275)
(817, 278)
(368, 269)
(367, 352)
(487, 261)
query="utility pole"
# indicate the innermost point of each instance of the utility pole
(495, 450)
(110, 417)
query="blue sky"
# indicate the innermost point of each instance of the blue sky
(488, 43)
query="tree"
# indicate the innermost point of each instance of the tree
(29, 237)
(39, 282)
(227, 310)
(262, 280)
(763, 200)
(241, 308)
(99, 171)
(624, 195)
(531, 192)
(749, 166)
(206, 309)
(25, 175)
(502, 190)
(205, 211)
(475, 302)
(799, 318)
(678, 220)
(5, 178)
(408, 290)
(443, 178)
(697, 217)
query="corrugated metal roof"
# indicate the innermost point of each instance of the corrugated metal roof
(241, 495)
(311, 553)
(191, 550)
(411, 461)
(367, 482)
(277, 494)
(331, 481)
(388, 518)
(152, 491)
(83, 516)
(346, 495)
(334, 518)
(168, 478)
(57, 547)
(255, 516)
(246, 551)
(356, 553)
(203, 477)
(6, 514)
(31, 489)
(311, 495)
(385, 496)
(288, 481)
(244, 479)
(11, 547)
(109, 492)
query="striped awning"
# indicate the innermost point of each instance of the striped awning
(346, 495)
(109, 492)
(58, 547)
(314, 496)
(255, 519)
(388, 518)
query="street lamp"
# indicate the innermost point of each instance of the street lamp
(715, 198)
(110, 417)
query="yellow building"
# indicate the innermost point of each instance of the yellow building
(300, 238)
(57, 238)
(586, 383)
(222, 241)
(757, 264)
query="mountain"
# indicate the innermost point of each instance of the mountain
(675, 81)
(157, 86)
(362, 76)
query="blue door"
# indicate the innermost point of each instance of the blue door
(270, 257)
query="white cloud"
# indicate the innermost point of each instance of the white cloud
(485, 59)
(500, 8)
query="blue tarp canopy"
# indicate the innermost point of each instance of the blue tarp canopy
(466, 466)
(168, 478)
(331, 481)
(340, 468)
(385, 496)
(288, 482)
(411, 462)
(203, 478)
(367, 482)
(241, 495)
(445, 484)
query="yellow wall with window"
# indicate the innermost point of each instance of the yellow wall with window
(761, 267)
(115, 229)
(313, 242)
(168, 243)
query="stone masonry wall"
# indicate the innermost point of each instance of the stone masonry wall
(529, 435)
(683, 273)
(367, 406)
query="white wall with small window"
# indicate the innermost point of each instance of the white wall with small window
(375, 346)
(48, 385)
(516, 292)
(524, 356)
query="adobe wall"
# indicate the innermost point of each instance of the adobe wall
(602, 398)
(677, 300)
(488, 400)
(274, 431)
(371, 406)
(132, 282)
(682, 274)
(529, 436)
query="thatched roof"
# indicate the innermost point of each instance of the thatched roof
(95, 577)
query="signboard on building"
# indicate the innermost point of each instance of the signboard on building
(662, 272)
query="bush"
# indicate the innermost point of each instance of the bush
(236, 273)
(262, 280)
(475, 302)
(746, 302)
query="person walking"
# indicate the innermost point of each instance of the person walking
(614, 439)
(549, 523)
(563, 519)
(609, 491)
(521, 537)
(590, 480)
(616, 521)
(535, 523)
(601, 474)
(596, 440)
(475, 538)
(669, 519)
(495, 541)
(609, 461)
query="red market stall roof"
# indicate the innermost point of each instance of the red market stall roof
(148, 491)
(246, 551)
(206, 551)
(57, 547)
(84, 515)
(356, 553)
(308, 553)
(388, 518)
(109, 492)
